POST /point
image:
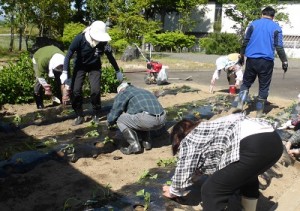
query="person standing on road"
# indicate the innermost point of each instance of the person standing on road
(233, 69)
(89, 46)
(48, 63)
(232, 151)
(136, 112)
(261, 39)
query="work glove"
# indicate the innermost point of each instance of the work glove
(241, 60)
(66, 92)
(63, 76)
(46, 86)
(285, 66)
(119, 75)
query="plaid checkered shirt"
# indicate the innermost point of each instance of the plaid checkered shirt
(209, 147)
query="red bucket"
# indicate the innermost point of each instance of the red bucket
(232, 90)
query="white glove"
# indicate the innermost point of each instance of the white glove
(63, 76)
(119, 76)
(286, 125)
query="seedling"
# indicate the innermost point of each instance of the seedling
(107, 140)
(103, 192)
(146, 196)
(146, 174)
(169, 182)
(166, 162)
(17, 120)
(71, 203)
(93, 133)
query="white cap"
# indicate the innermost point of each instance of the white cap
(122, 86)
(98, 32)
(56, 60)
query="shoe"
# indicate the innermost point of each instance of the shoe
(95, 119)
(79, 120)
(40, 107)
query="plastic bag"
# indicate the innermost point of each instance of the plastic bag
(162, 77)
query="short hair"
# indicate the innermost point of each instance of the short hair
(269, 11)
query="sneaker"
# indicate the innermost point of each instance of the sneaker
(95, 119)
(79, 120)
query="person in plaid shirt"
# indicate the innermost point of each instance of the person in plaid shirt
(136, 111)
(233, 150)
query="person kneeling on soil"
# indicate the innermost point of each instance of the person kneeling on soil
(136, 112)
(48, 63)
(233, 69)
(233, 150)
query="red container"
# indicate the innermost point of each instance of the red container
(232, 90)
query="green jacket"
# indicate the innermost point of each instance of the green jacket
(42, 57)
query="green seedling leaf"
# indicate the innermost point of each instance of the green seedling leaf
(107, 140)
(169, 182)
(154, 176)
(140, 192)
(93, 133)
(167, 162)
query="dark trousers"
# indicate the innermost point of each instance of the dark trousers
(258, 153)
(94, 77)
(261, 68)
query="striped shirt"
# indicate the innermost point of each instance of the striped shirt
(212, 146)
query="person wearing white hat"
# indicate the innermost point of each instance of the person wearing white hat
(230, 65)
(136, 111)
(48, 63)
(89, 46)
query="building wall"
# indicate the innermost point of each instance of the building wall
(206, 17)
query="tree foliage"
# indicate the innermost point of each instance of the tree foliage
(245, 11)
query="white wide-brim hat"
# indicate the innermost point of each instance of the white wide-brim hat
(98, 32)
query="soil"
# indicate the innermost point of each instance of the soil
(99, 175)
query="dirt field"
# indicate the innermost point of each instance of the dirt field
(101, 176)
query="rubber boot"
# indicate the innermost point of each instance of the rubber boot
(146, 141)
(260, 105)
(80, 117)
(239, 101)
(249, 204)
(133, 140)
(242, 99)
(39, 101)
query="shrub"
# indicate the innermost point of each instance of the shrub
(171, 40)
(109, 82)
(16, 81)
(70, 31)
(220, 43)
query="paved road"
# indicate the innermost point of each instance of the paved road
(287, 88)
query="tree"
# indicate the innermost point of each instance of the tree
(185, 9)
(78, 13)
(50, 16)
(245, 11)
